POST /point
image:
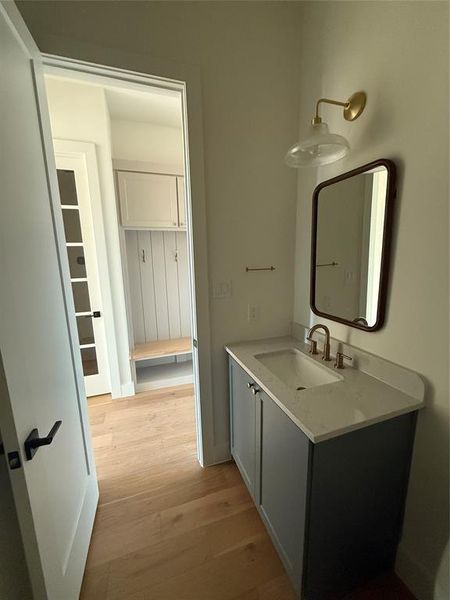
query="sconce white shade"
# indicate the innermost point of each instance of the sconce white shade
(320, 147)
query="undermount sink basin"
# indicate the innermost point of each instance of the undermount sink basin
(297, 370)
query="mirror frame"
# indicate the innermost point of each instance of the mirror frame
(391, 192)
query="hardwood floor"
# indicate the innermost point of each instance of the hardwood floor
(166, 529)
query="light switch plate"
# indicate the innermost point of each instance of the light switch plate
(222, 290)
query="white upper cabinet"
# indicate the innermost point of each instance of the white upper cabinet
(181, 202)
(148, 200)
(151, 200)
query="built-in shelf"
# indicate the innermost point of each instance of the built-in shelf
(165, 375)
(161, 348)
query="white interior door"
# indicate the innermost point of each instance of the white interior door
(76, 191)
(41, 383)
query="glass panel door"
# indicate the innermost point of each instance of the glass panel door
(78, 276)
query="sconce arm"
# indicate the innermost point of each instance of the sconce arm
(317, 118)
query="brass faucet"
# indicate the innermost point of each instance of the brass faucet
(326, 347)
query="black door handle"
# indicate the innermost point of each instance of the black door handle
(34, 442)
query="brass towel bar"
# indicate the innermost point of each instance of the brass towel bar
(272, 268)
(331, 264)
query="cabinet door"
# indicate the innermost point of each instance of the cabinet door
(148, 200)
(181, 202)
(243, 425)
(284, 476)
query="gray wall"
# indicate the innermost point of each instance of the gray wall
(13, 574)
(14, 582)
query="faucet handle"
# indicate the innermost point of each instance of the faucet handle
(339, 363)
(313, 346)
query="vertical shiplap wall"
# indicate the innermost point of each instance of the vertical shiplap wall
(159, 284)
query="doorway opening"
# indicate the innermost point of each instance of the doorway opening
(120, 154)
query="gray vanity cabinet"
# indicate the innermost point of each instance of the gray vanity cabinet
(244, 428)
(272, 456)
(284, 478)
(334, 509)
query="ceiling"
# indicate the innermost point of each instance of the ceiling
(160, 107)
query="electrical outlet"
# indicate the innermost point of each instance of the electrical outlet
(252, 312)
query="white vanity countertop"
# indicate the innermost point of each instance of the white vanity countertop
(327, 411)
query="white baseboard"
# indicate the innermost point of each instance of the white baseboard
(220, 462)
(127, 389)
(163, 383)
(220, 454)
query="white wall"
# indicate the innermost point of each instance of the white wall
(398, 53)
(147, 142)
(249, 61)
(79, 112)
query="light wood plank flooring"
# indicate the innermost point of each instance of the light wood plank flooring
(166, 529)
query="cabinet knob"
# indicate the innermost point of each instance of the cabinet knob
(250, 385)
(255, 390)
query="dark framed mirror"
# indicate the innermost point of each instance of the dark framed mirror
(351, 232)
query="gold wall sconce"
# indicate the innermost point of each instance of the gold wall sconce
(321, 147)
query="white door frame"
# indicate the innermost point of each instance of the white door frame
(84, 155)
(187, 82)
